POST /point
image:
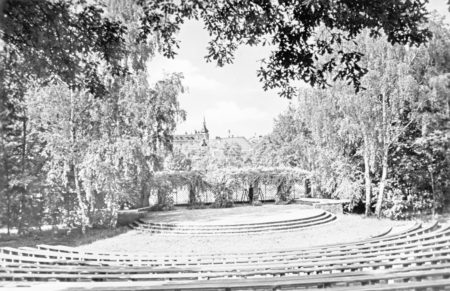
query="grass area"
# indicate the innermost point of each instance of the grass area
(60, 237)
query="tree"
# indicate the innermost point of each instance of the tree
(375, 112)
(285, 145)
(392, 132)
(178, 161)
(43, 32)
(64, 39)
(232, 155)
(106, 150)
(421, 156)
(62, 117)
(46, 42)
(290, 27)
(314, 135)
(398, 92)
(228, 154)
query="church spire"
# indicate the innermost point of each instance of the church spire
(205, 129)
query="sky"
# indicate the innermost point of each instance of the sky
(229, 98)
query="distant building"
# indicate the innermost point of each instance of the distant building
(200, 140)
(219, 143)
(186, 142)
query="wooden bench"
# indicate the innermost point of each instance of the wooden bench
(16, 270)
(416, 258)
(386, 280)
(434, 285)
(343, 247)
(385, 260)
(395, 246)
(407, 247)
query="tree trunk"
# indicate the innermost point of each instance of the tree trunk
(433, 210)
(84, 218)
(6, 181)
(145, 195)
(367, 179)
(307, 188)
(250, 194)
(280, 195)
(161, 197)
(22, 200)
(384, 158)
(81, 205)
(382, 183)
(145, 177)
(24, 144)
(192, 196)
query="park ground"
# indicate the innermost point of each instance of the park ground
(347, 228)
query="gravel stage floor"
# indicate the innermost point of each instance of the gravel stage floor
(346, 228)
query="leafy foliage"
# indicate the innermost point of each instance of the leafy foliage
(390, 138)
(223, 183)
(228, 155)
(105, 150)
(172, 180)
(291, 29)
(68, 156)
(64, 39)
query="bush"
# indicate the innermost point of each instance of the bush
(402, 206)
(128, 216)
(222, 204)
(162, 207)
(285, 202)
(223, 195)
(104, 218)
(196, 206)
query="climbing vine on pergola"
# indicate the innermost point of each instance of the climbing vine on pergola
(224, 182)
(165, 181)
(252, 178)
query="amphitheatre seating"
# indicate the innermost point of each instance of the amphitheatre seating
(404, 241)
(414, 231)
(214, 229)
(415, 259)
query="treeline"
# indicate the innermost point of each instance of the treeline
(387, 146)
(82, 134)
(81, 129)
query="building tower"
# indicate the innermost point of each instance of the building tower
(205, 130)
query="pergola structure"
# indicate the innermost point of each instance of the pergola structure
(249, 180)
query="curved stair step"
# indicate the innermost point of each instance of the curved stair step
(229, 227)
(329, 218)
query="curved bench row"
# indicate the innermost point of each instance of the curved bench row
(429, 282)
(414, 230)
(419, 249)
(214, 229)
(329, 250)
(418, 257)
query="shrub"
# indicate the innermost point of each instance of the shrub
(402, 206)
(196, 206)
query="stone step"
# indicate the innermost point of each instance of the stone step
(240, 229)
(326, 219)
(234, 226)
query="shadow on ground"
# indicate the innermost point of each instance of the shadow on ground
(60, 237)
